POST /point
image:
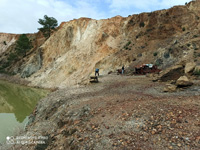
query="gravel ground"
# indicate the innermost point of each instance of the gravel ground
(119, 112)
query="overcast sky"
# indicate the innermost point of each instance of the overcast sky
(21, 16)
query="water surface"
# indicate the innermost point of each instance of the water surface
(16, 104)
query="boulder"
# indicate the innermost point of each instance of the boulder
(94, 79)
(172, 73)
(170, 88)
(183, 81)
(189, 67)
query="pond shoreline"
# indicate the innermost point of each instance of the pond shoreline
(14, 79)
(23, 82)
(17, 104)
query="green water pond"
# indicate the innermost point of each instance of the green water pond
(16, 104)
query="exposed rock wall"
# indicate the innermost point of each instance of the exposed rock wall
(34, 64)
(6, 40)
(71, 54)
(75, 49)
(24, 66)
(79, 46)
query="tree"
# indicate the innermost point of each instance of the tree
(48, 23)
(23, 45)
(12, 57)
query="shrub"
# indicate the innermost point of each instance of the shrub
(127, 44)
(139, 35)
(4, 42)
(170, 49)
(197, 72)
(5, 65)
(159, 62)
(12, 57)
(194, 46)
(155, 53)
(183, 29)
(188, 45)
(2, 70)
(166, 55)
(142, 24)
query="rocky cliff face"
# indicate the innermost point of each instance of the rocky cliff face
(71, 54)
(6, 40)
(76, 48)
(23, 66)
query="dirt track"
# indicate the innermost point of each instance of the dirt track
(120, 112)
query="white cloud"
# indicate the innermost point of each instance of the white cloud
(135, 6)
(21, 16)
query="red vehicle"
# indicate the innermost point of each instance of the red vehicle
(146, 68)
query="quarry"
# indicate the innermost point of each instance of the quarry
(142, 109)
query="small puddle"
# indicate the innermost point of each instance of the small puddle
(16, 104)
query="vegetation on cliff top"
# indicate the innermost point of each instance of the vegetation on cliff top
(49, 24)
